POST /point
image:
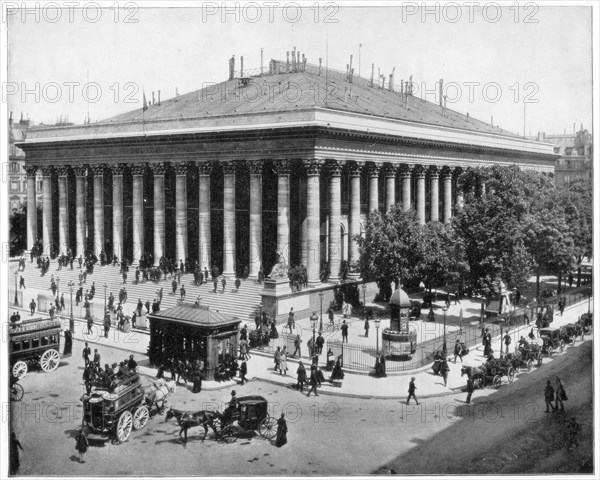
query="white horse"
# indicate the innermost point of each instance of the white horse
(158, 393)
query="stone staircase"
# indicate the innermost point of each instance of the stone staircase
(241, 304)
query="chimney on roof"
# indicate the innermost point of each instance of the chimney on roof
(294, 60)
(298, 61)
(287, 62)
(261, 60)
(445, 98)
(492, 121)
(441, 91)
(392, 78)
(383, 80)
(231, 67)
(303, 63)
(159, 98)
(573, 128)
(176, 94)
(153, 99)
(372, 73)
(347, 72)
(467, 117)
(350, 71)
(320, 62)
(241, 66)
(10, 119)
(21, 117)
(402, 87)
(379, 77)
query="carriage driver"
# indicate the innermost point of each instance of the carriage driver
(232, 407)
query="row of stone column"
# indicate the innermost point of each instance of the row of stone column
(311, 240)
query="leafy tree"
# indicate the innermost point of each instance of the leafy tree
(18, 232)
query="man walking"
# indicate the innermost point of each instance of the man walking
(87, 351)
(301, 372)
(411, 391)
(507, 341)
(21, 283)
(561, 395)
(344, 332)
(291, 323)
(81, 443)
(277, 359)
(549, 396)
(470, 388)
(297, 343)
(243, 371)
(32, 306)
(320, 343)
(573, 429)
(314, 381)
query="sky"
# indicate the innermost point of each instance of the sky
(494, 62)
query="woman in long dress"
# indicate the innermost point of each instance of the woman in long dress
(281, 438)
(283, 362)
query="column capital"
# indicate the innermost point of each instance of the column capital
(118, 169)
(355, 168)
(159, 168)
(373, 168)
(282, 167)
(180, 168)
(312, 166)
(97, 169)
(419, 171)
(204, 168)
(47, 170)
(255, 166)
(458, 171)
(80, 170)
(31, 170)
(447, 171)
(334, 168)
(406, 169)
(137, 168)
(390, 169)
(62, 170)
(433, 171)
(229, 168)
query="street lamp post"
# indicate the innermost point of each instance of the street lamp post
(444, 347)
(57, 287)
(105, 286)
(16, 290)
(321, 295)
(313, 325)
(377, 322)
(71, 319)
(364, 289)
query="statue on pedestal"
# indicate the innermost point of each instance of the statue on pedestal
(280, 269)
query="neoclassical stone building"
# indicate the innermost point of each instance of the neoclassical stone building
(233, 173)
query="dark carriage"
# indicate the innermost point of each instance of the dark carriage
(531, 351)
(251, 414)
(571, 332)
(521, 359)
(551, 340)
(113, 413)
(481, 376)
(31, 342)
(586, 321)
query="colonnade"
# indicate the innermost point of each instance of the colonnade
(403, 177)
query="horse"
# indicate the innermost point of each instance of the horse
(158, 393)
(187, 420)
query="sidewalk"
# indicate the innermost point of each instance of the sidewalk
(355, 384)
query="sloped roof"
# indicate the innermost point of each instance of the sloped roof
(201, 316)
(285, 92)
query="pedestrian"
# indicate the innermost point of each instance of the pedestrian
(132, 364)
(124, 277)
(283, 368)
(549, 396)
(96, 359)
(62, 302)
(243, 371)
(133, 319)
(366, 327)
(411, 391)
(81, 443)
(90, 323)
(281, 438)
(215, 285)
(147, 307)
(21, 283)
(106, 323)
(182, 293)
(320, 342)
(277, 359)
(244, 355)
(314, 381)
(301, 372)
(526, 318)
(51, 310)
(560, 394)
(87, 351)
(470, 388)
(561, 305)
(344, 332)
(331, 317)
(457, 350)
(297, 343)
(197, 376)
(237, 284)
(32, 306)
(291, 322)
(444, 371)
(531, 334)
(15, 462)
(223, 283)
(447, 300)
(430, 315)
(507, 341)
(573, 429)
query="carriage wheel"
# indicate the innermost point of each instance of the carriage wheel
(124, 426)
(50, 360)
(268, 428)
(497, 381)
(140, 417)
(229, 434)
(529, 365)
(550, 351)
(562, 346)
(511, 375)
(19, 369)
(16, 392)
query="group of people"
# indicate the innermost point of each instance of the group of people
(110, 376)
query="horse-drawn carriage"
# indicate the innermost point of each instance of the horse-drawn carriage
(250, 414)
(490, 374)
(16, 390)
(551, 340)
(586, 321)
(571, 332)
(35, 341)
(114, 412)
